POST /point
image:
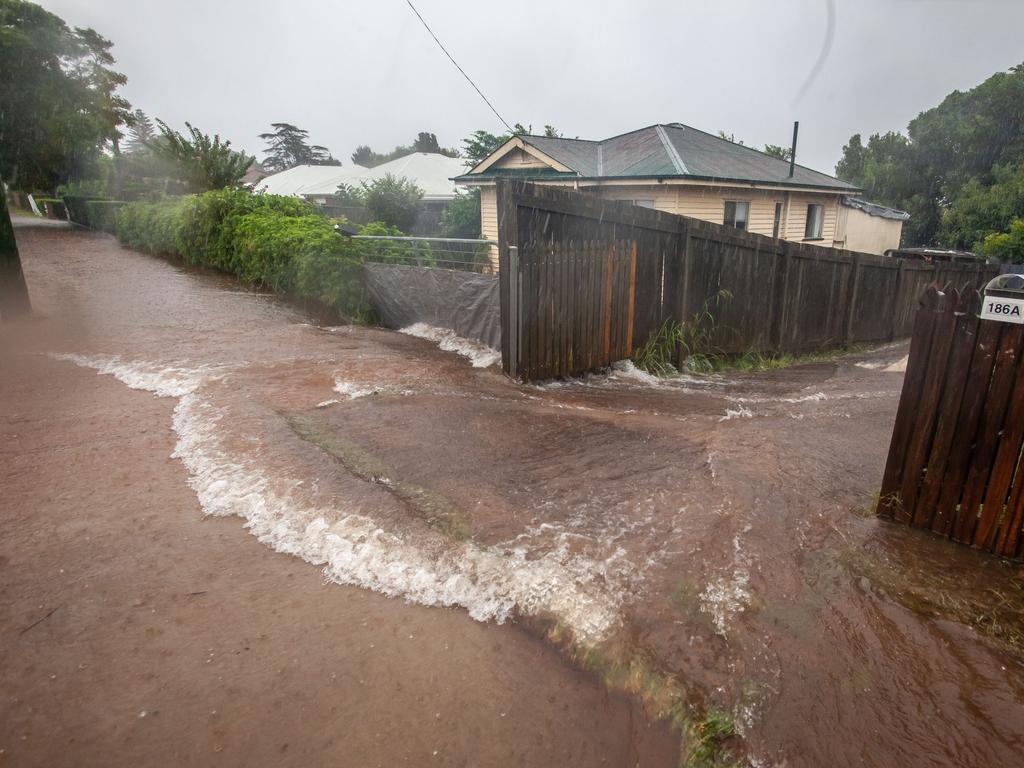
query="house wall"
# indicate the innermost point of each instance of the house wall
(708, 203)
(796, 221)
(704, 202)
(488, 213)
(860, 231)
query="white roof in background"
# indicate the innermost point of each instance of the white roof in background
(430, 172)
(309, 179)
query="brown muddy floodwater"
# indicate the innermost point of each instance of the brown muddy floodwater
(704, 538)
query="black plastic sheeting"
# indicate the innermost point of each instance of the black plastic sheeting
(465, 302)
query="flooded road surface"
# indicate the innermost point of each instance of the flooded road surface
(704, 543)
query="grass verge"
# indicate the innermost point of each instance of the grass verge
(991, 600)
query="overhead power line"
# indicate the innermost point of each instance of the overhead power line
(453, 61)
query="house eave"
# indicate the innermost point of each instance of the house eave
(481, 180)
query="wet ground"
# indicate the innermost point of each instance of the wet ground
(704, 543)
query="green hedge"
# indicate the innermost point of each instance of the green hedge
(270, 241)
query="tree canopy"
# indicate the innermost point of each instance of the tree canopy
(424, 142)
(59, 106)
(958, 168)
(202, 162)
(393, 200)
(140, 131)
(288, 146)
(479, 144)
(775, 150)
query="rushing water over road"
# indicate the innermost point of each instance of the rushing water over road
(713, 526)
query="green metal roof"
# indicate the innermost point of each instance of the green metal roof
(672, 150)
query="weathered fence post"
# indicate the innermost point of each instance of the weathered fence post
(515, 293)
(507, 236)
(851, 303)
(14, 301)
(779, 305)
(897, 293)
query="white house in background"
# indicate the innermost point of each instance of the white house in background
(430, 172)
(303, 180)
(683, 170)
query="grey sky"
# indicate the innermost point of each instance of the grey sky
(367, 73)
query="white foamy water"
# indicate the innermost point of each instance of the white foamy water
(728, 594)
(739, 413)
(816, 397)
(627, 370)
(491, 583)
(165, 381)
(900, 366)
(351, 391)
(480, 355)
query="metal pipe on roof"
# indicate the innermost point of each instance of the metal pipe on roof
(792, 151)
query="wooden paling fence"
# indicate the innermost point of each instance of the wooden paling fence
(954, 464)
(586, 281)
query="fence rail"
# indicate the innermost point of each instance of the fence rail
(459, 254)
(786, 296)
(954, 458)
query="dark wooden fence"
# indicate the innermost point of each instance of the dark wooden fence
(585, 281)
(954, 458)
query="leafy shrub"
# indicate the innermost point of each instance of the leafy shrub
(268, 240)
(392, 199)
(461, 218)
(1007, 246)
(102, 214)
(409, 252)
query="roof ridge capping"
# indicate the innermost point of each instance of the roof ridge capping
(683, 127)
(673, 153)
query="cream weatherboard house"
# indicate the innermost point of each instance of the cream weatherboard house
(679, 169)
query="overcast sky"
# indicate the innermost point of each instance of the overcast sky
(368, 73)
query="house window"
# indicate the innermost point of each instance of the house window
(736, 214)
(778, 220)
(644, 203)
(815, 217)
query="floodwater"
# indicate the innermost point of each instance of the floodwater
(714, 530)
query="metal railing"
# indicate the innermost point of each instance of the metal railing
(460, 254)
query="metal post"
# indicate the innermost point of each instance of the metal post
(792, 151)
(515, 292)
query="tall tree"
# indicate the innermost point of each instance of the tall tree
(366, 157)
(140, 132)
(202, 162)
(775, 150)
(424, 142)
(949, 155)
(288, 146)
(59, 105)
(427, 142)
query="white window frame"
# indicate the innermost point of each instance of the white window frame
(814, 226)
(736, 208)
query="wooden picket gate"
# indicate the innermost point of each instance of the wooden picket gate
(954, 463)
(578, 305)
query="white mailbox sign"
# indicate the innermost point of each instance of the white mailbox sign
(1002, 308)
